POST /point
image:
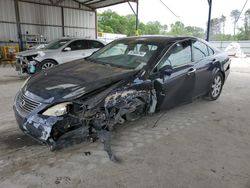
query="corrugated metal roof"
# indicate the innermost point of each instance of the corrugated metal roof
(95, 4)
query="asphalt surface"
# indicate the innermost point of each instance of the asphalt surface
(202, 144)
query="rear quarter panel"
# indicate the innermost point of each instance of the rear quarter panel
(223, 63)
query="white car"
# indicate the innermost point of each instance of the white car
(234, 49)
(56, 52)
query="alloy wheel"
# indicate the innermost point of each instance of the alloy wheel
(47, 65)
(216, 86)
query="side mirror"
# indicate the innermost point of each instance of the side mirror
(166, 70)
(67, 49)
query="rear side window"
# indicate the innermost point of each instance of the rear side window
(200, 50)
(95, 44)
(180, 54)
(78, 45)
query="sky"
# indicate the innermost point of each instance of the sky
(190, 12)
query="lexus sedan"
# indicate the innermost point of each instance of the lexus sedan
(59, 51)
(125, 80)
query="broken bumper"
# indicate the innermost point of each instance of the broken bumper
(32, 133)
(35, 127)
(41, 127)
(24, 66)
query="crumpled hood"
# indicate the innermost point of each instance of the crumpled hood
(72, 80)
(33, 52)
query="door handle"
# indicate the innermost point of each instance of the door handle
(191, 71)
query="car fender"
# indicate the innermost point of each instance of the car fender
(48, 56)
(50, 59)
(217, 68)
(56, 58)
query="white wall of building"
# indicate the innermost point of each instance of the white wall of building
(39, 17)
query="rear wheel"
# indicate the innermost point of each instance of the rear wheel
(216, 87)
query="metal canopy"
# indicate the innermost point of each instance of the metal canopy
(95, 4)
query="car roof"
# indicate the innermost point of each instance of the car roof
(76, 38)
(157, 38)
(71, 39)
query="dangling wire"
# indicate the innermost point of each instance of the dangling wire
(168, 8)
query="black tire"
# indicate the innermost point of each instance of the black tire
(216, 87)
(46, 64)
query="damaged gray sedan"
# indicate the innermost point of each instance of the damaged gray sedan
(123, 81)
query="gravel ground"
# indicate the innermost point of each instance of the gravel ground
(202, 144)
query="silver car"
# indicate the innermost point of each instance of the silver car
(56, 52)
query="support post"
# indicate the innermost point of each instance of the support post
(96, 25)
(18, 25)
(63, 28)
(137, 18)
(209, 18)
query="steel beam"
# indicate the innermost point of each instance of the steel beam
(58, 2)
(136, 15)
(18, 25)
(48, 4)
(63, 28)
(96, 25)
(209, 19)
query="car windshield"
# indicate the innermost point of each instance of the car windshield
(56, 44)
(126, 54)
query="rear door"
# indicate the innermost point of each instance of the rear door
(203, 58)
(178, 87)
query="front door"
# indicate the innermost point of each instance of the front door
(176, 87)
(78, 50)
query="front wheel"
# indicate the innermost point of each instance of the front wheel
(46, 64)
(137, 113)
(216, 87)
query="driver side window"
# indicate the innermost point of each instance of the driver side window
(179, 54)
(78, 45)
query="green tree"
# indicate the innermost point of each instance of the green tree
(153, 28)
(164, 29)
(177, 28)
(223, 23)
(215, 28)
(130, 31)
(235, 16)
(111, 22)
(244, 32)
(195, 31)
(142, 28)
(247, 24)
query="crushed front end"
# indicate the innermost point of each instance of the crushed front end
(89, 117)
(26, 64)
